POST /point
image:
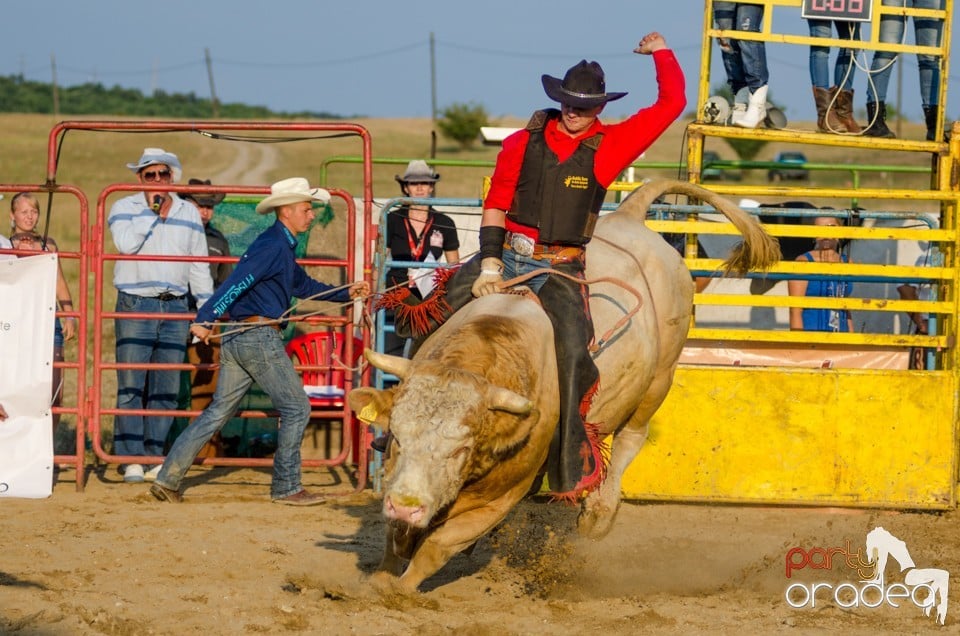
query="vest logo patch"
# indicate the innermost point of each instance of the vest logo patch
(576, 182)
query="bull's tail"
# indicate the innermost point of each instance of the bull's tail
(757, 251)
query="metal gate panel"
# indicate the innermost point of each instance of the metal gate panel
(848, 437)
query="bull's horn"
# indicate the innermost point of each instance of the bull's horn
(391, 364)
(506, 400)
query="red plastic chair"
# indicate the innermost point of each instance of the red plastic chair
(321, 352)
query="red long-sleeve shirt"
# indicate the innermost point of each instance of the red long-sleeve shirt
(622, 143)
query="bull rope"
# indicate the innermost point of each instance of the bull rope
(617, 326)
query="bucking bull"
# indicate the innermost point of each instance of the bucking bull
(477, 405)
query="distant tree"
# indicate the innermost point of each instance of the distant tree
(747, 149)
(462, 122)
(18, 95)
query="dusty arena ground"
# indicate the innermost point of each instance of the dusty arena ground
(112, 560)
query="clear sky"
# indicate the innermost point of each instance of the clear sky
(372, 57)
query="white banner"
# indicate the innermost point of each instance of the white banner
(28, 296)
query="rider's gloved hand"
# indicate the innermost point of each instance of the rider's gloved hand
(490, 279)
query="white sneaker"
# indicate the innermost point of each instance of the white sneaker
(133, 474)
(151, 475)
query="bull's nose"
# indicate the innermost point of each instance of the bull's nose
(409, 514)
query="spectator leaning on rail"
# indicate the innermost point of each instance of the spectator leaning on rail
(24, 218)
(548, 185)
(148, 223)
(258, 292)
(825, 250)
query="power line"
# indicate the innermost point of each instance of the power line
(325, 62)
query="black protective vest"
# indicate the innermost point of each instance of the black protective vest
(561, 199)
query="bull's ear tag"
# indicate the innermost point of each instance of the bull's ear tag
(368, 413)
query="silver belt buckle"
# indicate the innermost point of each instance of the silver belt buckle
(521, 244)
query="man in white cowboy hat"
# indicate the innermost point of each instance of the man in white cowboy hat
(258, 292)
(548, 185)
(154, 221)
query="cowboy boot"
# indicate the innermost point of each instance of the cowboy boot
(845, 110)
(740, 101)
(827, 120)
(930, 117)
(756, 109)
(877, 121)
(568, 463)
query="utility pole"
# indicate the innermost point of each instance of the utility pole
(56, 92)
(213, 91)
(433, 97)
(433, 79)
(899, 96)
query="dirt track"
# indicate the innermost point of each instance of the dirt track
(114, 561)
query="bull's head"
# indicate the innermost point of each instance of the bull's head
(449, 428)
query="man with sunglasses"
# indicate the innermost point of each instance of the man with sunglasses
(154, 221)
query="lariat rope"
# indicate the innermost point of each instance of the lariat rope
(229, 328)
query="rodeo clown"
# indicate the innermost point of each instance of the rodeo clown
(548, 185)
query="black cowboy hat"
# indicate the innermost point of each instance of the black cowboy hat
(206, 199)
(582, 87)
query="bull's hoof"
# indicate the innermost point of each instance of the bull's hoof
(596, 519)
(386, 584)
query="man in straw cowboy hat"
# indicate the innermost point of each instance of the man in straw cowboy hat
(155, 221)
(258, 293)
(548, 185)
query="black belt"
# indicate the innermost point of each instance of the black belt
(169, 296)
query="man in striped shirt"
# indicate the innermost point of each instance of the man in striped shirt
(155, 221)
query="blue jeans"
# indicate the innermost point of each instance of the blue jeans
(255, 355)
(142, 342)
(926, 32)
(516, 264)
(844, 68)
(745, 61)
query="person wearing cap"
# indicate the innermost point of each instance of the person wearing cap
(417, 232)
(548, 185)
(153, 221)
(217, 243)
(204, 381)
(257, 296)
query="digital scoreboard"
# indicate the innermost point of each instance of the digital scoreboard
(847, 10)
